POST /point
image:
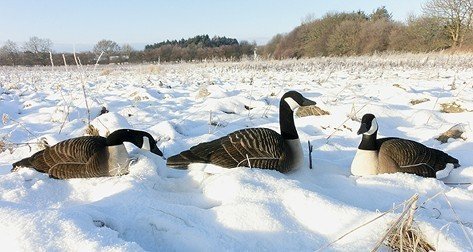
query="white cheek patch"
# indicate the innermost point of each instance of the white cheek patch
(374, 127)
(146, 145)
(293, 104)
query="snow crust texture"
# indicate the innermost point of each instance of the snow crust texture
(208, 208)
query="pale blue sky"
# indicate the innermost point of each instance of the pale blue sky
(140, 22)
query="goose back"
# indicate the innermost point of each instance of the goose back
(402, 155)
(80, 157)
(263, 148)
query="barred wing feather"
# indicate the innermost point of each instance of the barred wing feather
(254, 147)
(70, 152)
(413, 157)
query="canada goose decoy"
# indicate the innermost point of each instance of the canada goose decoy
(391, 155)
(89, 156)
(254, 147)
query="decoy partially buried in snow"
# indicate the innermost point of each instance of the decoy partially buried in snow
(391, 155)
(89, 156)
(254, 147)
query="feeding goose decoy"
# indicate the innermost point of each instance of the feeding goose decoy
(391, 155)
(89, 156)
(254, 147)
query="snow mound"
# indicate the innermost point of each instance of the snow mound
(209, 208)
(109, 122)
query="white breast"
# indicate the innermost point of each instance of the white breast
(296, 155)
(118, 160)
(365, 163)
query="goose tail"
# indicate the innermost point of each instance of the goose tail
(454, 161)
(183, 160)
(25, 162)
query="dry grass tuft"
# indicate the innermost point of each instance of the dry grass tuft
(203, 92)
(408, 237)
(399, 86)
(312, 110)
(106, 71)
(452, 107)
(137, 97)
(454, 132)
(153, 69)
(4, 119)
(91, 131)
(107, 133)
(418, 101)
(43, 143)
(3, 146)
(404, 234)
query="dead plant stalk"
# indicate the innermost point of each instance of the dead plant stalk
(408, 202)
(83, 86)
(410, 208)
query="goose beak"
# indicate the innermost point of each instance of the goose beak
(307, 102)
(363, 129)
(156, 151)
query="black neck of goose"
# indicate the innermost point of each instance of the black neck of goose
(120, 136)
(286, 121)
(368, 142)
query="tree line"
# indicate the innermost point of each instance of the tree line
(199, 40)
(444, 24)
(38, 51)
(199, 48)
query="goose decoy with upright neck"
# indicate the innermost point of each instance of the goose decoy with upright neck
(253, 147)
(89, 156)
(390, 155)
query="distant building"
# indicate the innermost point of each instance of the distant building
(114, 58)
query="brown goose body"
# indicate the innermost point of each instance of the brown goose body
(82, 157)
(391, 155)
(402, 155)
(87, 157)
(254, 147)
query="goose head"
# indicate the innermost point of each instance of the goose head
(295, 100)
(369, 125)
(290, 101)
(141, 139)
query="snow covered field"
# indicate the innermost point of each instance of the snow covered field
(154, 208)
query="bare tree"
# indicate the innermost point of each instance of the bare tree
(455, 15)
(38, 45)
(10, 47)
(127, 49)
(9, 53)
(109, 47)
